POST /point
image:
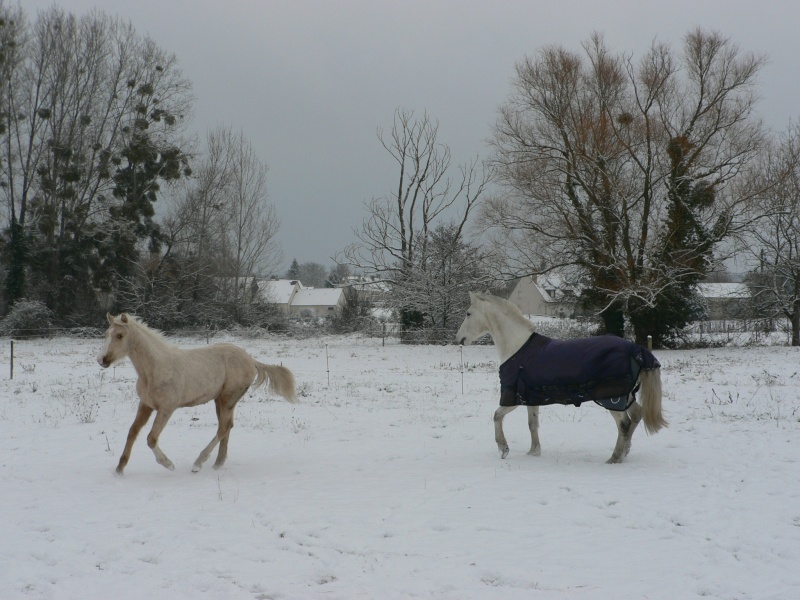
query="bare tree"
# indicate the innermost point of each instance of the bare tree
(440, 281)
(775, 236)
(310, 274)
(394, 237)
(224, 228)
(631, 173)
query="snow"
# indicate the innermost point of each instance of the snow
(385, 482)
(736, 291)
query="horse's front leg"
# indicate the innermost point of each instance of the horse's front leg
(142, 416)
(162, 417)
(533, 425)
(499, 436)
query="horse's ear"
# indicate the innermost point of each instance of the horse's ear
(123, 317)
(472, 297)
(110, 318)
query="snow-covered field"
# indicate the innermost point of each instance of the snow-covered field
(385, 482)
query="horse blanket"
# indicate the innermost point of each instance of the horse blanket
(603, 369)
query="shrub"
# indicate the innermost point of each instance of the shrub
(28, 318)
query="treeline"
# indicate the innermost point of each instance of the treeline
(633, 178)
(93, 125)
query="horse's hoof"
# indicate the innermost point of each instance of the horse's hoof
(196, 468)
(614, 460)
(504, 452)
(118, 471)
(535, 452)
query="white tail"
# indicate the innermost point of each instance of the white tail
(281, 380)
(651, 400)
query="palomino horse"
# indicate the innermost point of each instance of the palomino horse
(171, 378)
(537, 370)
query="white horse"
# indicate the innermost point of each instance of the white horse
(171, 378)
(511, 331)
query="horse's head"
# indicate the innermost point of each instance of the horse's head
(117, 340)
(475, 323)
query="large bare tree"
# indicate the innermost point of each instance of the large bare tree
(628, 173)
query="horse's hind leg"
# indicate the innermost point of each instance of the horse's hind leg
(142, 416)
(222, 455)
(635, 414)
(499, 436)
(224, 405)
(625, 427)
(533, 425)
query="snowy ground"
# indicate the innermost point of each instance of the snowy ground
(385, 482)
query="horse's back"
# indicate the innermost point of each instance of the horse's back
(595, 368)
(590, 358)
(209, 369)
(228, 356)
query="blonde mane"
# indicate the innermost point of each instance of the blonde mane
(136, 324)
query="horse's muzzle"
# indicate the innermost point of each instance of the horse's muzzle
(103, 362)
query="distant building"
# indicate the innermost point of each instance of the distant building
(292, 298)
(321, 302)
(725, 300)
(280, 292)
(369, 289)
(547, 295)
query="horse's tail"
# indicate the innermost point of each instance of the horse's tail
(651, 400)
(281, 380)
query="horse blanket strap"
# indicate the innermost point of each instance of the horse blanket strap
(602, 369)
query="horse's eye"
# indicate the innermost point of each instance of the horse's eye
(119, 336)
(469, 314)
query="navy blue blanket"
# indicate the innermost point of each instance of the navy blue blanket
(603, 369)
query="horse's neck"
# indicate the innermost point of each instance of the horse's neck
(509, 333)
(146, 350)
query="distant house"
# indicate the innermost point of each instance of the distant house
(292, 298)
(280, 292)
(551, 295)
(369, 289)
(725, 300)
(545, 295)
(321, 302)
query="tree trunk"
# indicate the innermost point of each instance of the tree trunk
(613, 319)
(15, 280)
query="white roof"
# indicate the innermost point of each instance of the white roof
(723, 290)
(279, 291)
(317, 297)
(557, 283)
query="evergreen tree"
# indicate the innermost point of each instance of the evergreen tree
(294, 270)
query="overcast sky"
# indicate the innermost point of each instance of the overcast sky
(309, 82)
